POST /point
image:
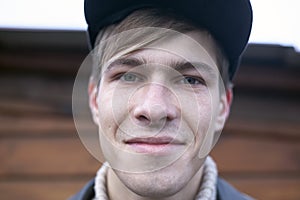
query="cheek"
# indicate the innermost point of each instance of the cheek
(113, 108)
(196, 112)
(107, 122)
(197, 115)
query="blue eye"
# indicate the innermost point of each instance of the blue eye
(129, 77)
(192, 81)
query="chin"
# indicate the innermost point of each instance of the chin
(156, 184)
(164, 182)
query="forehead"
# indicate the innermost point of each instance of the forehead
(192, 47)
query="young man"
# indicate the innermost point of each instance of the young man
(160, 93)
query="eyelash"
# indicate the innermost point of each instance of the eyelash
(121, 75)
(201, 81)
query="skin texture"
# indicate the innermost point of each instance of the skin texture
(158, 109)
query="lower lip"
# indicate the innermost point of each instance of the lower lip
(153, 148)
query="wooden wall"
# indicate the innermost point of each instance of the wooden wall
(42, 157)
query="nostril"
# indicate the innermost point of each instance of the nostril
(143, 118)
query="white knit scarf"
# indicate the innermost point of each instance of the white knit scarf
(207, 190)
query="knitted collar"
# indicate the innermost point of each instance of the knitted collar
(207, 190)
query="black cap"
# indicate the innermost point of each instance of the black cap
(229, 21)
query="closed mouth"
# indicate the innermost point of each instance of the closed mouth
(153, 144)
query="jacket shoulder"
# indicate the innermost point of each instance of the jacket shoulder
(225, 191)
(86, 193)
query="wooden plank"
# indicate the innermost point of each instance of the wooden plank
(43, 62)
(268, 77)
(37, 126)
(32, 107)
(267, 107)
(274, 188)
(43, 40)
(37, 190)
(38, 89)
(262, 128)
(266, 155)
(46, 156)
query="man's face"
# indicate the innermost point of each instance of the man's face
(157, 110)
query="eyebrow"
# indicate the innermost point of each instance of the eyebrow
(130, 62)
(178, 65)
(186, 66)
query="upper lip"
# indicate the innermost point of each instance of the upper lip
(153, 140)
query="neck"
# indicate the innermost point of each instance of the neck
(118, 191)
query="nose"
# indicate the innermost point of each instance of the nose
(154, 105)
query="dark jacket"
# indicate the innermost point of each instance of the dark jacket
(224, 192)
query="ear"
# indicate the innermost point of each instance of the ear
(224, 108)
(93, 91)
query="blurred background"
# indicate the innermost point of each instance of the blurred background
(42, 45)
